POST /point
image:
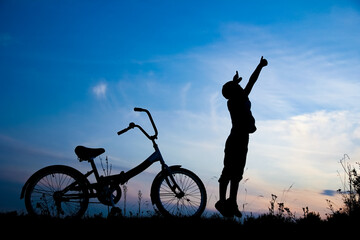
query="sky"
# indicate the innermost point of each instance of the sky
(71, 73)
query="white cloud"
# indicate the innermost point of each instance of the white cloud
(100, 90)
(306, 146)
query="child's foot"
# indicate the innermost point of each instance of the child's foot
(237, 212)
(233, 208)
(221, 206)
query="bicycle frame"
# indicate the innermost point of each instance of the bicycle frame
(156, 156)
(123, 177)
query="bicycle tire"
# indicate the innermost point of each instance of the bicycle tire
(191, 204)
(43, 195)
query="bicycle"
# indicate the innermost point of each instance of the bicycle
(62, 191)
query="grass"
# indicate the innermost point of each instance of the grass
(279, 226)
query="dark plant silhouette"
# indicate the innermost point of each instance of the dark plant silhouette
(350, 192)
(351, 187)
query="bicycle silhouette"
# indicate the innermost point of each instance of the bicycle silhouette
(62, 191)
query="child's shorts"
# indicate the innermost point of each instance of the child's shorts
(236, 148)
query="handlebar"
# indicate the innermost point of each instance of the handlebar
(136, 109)
(132, 125)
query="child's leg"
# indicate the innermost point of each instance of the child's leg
(234, 186)
(221, 205)
(223, 184)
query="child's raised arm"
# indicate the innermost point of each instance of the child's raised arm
(254, 76)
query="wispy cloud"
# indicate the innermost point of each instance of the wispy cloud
(100, 90)
(15, 151)
(184, 94)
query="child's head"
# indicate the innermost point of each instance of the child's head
(231, 89)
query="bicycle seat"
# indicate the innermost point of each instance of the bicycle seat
(85, 153)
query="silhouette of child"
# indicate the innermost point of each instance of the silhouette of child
(236, 146)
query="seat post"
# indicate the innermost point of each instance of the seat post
(96, 173)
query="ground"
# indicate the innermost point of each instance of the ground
(165, 228)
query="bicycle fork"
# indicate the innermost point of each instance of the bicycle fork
(179, 193)
(170, 180)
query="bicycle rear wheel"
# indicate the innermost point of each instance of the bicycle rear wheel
(188, 201)
(57, 191)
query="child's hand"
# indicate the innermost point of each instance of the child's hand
(263, 62)
(236, 77)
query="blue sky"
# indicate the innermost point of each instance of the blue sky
(72, 71)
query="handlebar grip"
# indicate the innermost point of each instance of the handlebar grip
(131, 125)
(139, 109)
(122, 131)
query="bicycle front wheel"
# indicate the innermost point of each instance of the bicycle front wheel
(57, 191)
(180, 195)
